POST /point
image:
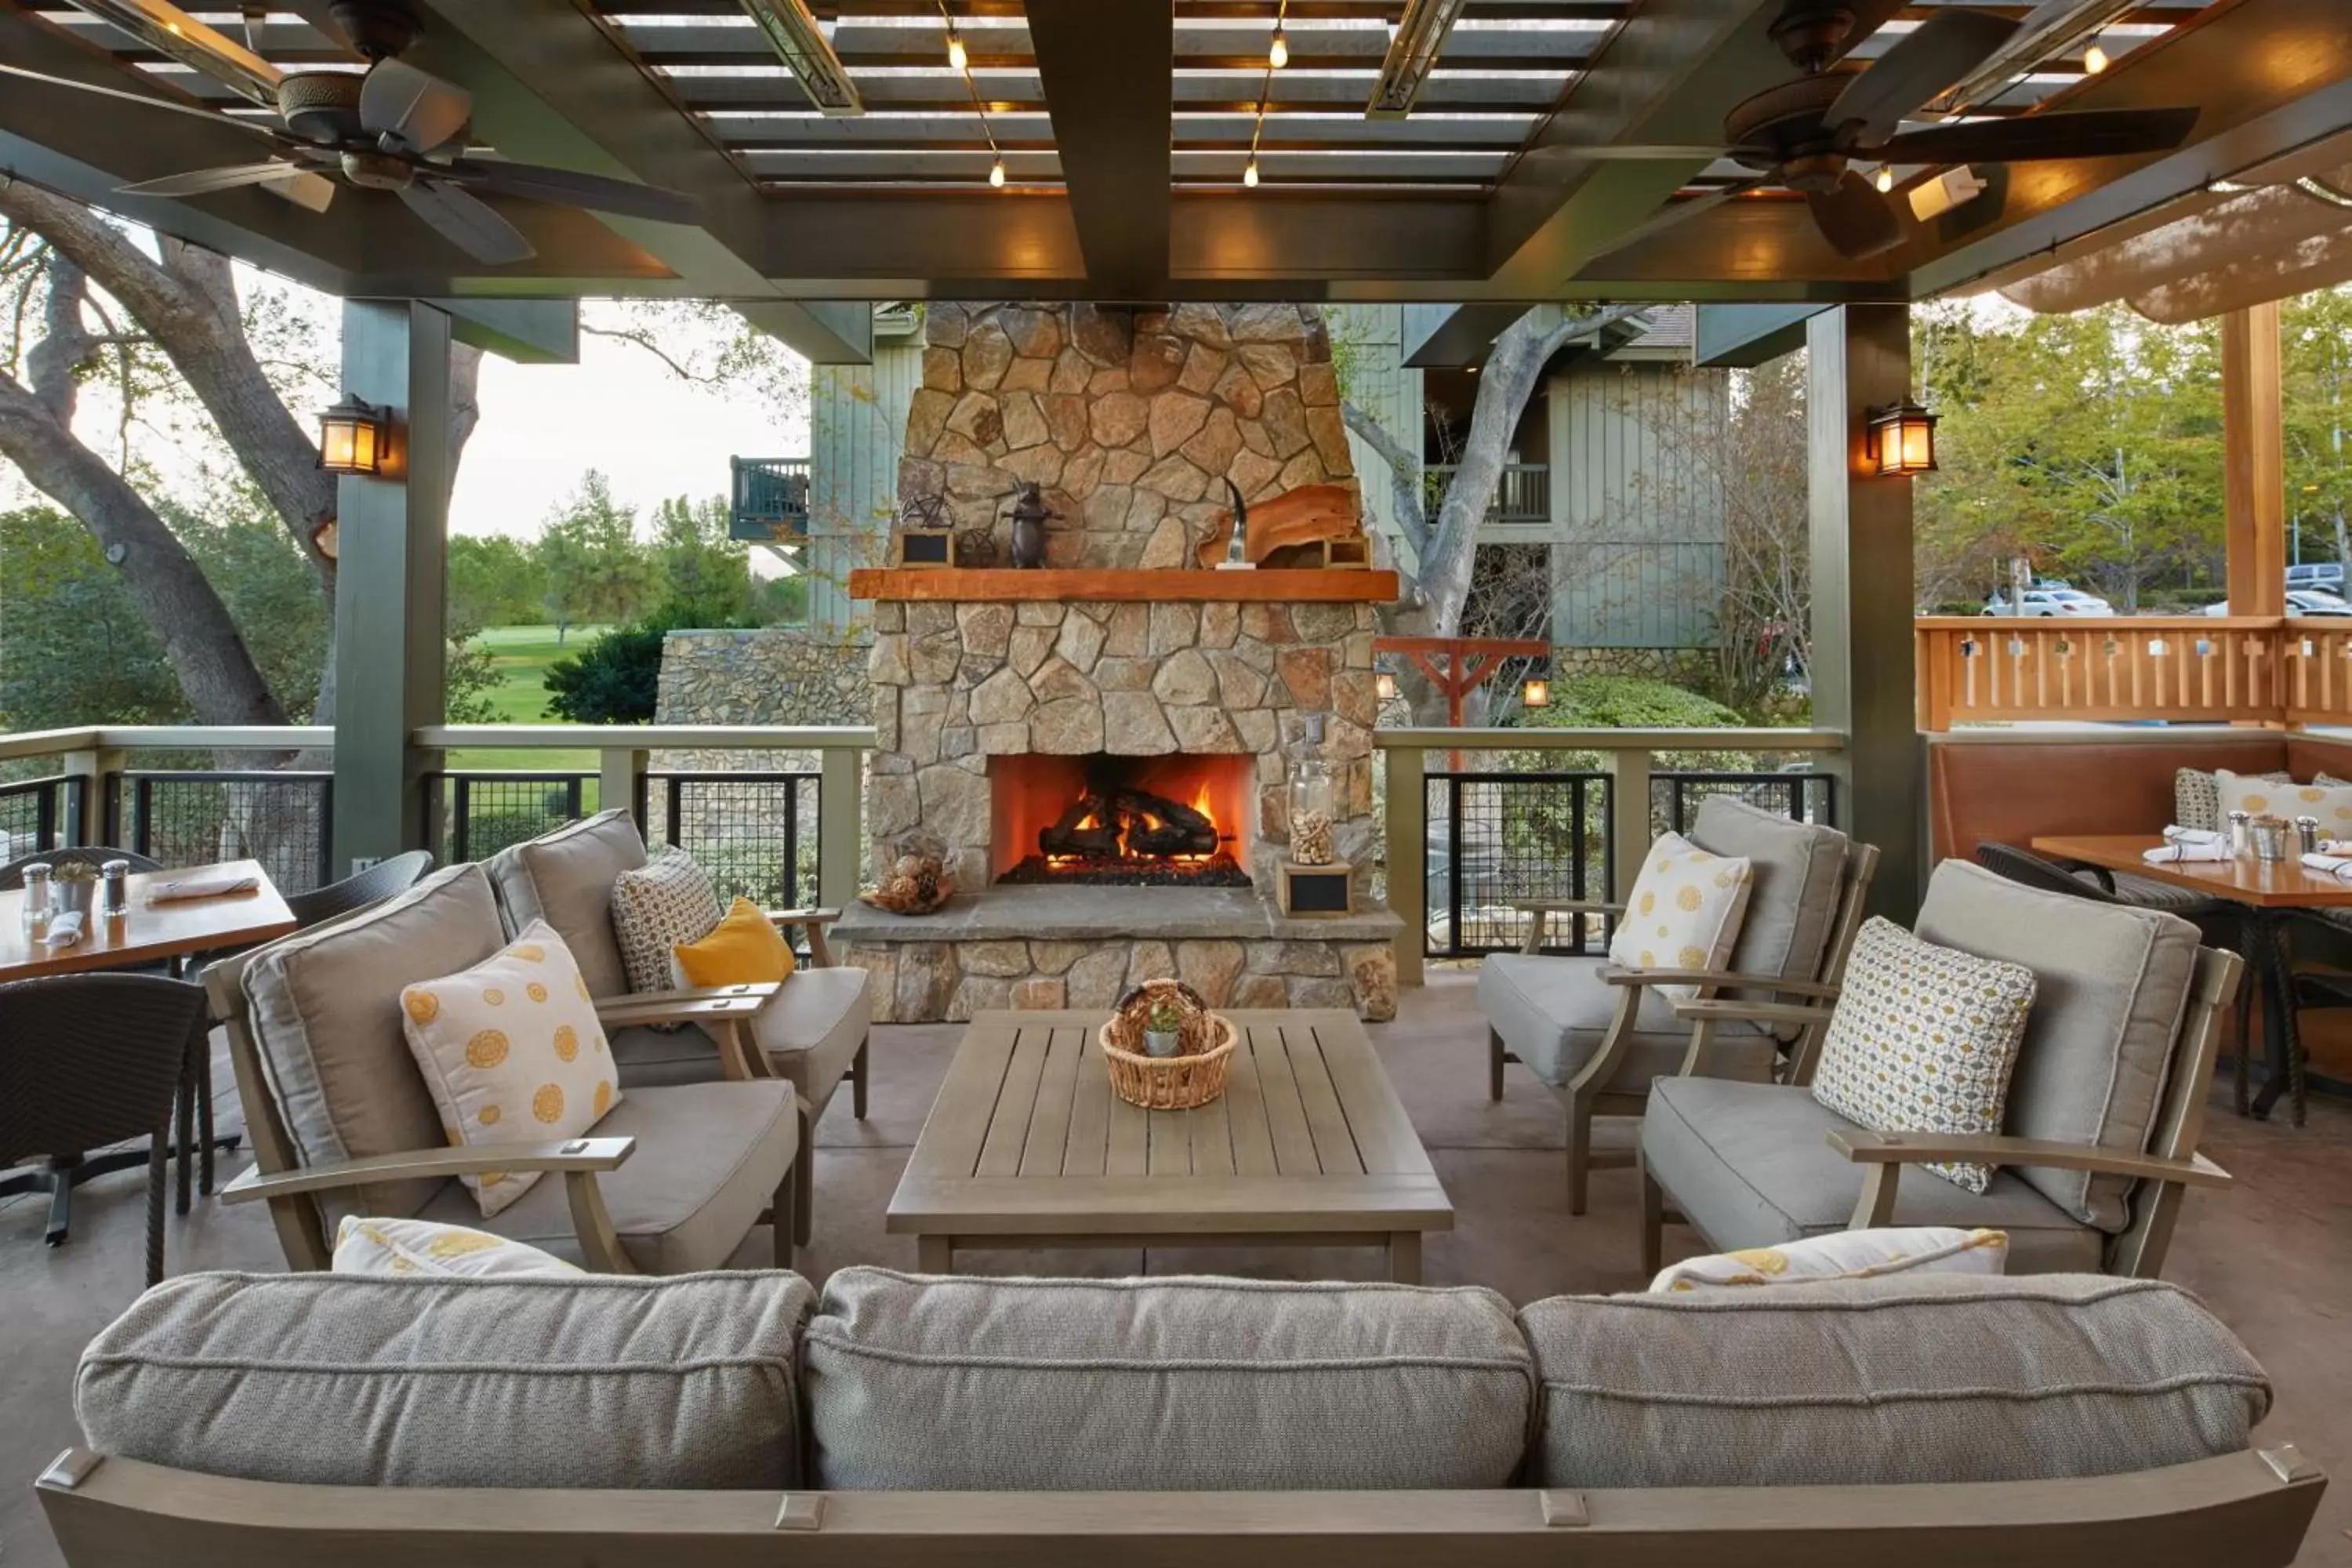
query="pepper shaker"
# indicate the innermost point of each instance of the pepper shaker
(114, 890)
(36, 894)
(2306, 833)
(2240, 838)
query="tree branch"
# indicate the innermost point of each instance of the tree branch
(1405, 469)
(644, 340)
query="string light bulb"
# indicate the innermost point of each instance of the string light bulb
(1249, 174)
(2094, 59)
(996, 174)
(1277, 50)
(957, 58)
(1883, 179)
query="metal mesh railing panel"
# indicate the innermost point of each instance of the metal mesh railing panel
(754, 834)
(1676, 797)
(39, 814)
(282, 818)
(1497, 837)
(484, 812)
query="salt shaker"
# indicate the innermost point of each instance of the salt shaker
(2307, 834)
(114, 890)
(2241, 839)
(36, 893)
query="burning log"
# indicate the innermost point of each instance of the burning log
(1086, 826)
(1160, 826)
(1099, 826)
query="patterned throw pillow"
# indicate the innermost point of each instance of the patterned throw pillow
(368, 1244)
(1685, 910)
(512, 1053)
(2332, 803)
(1842, 1255)
(1924, 1040)
(667, 901)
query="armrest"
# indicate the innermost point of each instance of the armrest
(803, 917)
(1867, 1148)
(568, 1155)
(1720, 1008)
(701, 1004)
(1565, 907)
(1611, 975)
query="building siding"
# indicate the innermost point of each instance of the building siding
(1383, 386)
(857, 422)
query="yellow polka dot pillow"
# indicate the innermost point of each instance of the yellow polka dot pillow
(1685, 910)
(2328, 801)
(1842, 1255)
(512, 1053)
(366, 1244)
(1924, 1040)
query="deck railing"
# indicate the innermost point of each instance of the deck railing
(1523, 493)
(2180, 668)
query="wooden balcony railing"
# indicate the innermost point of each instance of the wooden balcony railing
(2178, 668)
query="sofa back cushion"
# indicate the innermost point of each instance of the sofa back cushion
(565, 877)
(1880, 1381)
(323, 1007)
(2112, 986)
(337, 1379)
(1179, 1385)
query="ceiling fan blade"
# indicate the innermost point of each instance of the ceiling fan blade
(1854, 218)
(1869, 16)
(2066, 133)
(263, 132)
(314, 193)
(1941, 51)
(418, 110)
(1630, 153)
(204, 182)
(467, 223)
(1679, 212)
(565, 187)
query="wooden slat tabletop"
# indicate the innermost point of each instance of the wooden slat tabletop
(1026, 1137)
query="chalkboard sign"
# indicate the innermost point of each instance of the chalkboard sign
(1313, 890)
(927, 547)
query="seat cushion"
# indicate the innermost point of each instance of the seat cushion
(648, 1057)
(2112, 988)
(1798, 870)
(708, 1157)
(1913, 1379)
(812, 1029)
(1552, 1014)
(324, 1010)
(341, 1380)
(1750, 1165)
(565, 877)
(959, 1385)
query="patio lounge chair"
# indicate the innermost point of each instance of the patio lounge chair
(1196, 1422)
(2103, 1110)
(672, 1180)
(1602, 1034)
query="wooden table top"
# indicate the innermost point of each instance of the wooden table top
(149, 933)
(1026, 1137)
(2273, 885)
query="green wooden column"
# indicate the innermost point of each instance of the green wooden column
(1858, 357)
(392, 538)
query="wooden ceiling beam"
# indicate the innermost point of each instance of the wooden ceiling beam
(1104, 64)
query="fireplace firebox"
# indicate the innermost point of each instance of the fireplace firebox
(1099, 819)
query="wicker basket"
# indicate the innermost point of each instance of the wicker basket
(1194, 1075)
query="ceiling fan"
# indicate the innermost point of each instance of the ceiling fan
(394, 128)
(1804, 134)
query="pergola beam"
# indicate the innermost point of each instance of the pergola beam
(1104, 64)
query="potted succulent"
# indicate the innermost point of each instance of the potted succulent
(73, 887)
(1163, 1029)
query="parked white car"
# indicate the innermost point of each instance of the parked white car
(2300, 602)
(2051, 602)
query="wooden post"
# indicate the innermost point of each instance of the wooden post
(840, 824)
(2253, 461)
(618, 769)
(390, 619)
(1858, 357)
(1407, 786)
(1628, 818)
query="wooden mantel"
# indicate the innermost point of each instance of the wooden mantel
(966, 584)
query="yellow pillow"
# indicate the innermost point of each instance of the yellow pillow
(744, 949)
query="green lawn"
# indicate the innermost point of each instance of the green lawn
(522, 655)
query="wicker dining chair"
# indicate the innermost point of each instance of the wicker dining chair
(87, 1061)
(12, 875)
(357, 891)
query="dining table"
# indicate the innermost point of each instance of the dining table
(151, 931)
(2268, 894)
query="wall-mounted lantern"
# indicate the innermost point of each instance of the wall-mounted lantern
(354, 437)
(1535, 692)
(1901, 439)
(1387, 686)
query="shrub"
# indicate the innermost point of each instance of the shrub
(613, 681)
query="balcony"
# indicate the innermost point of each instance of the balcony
(768, 500)
(1523, 495)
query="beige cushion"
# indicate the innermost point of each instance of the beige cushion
(512, 1052)
(1552, 1014)
(1683, 911)
(2113, 989)
(667, 901)
(391, 1246)
(1797, 873)
(336, 1380)
(812, 1028)
(1917, 1379)
(565, 877)
(1923, 1040)
(2258, 795)
(708, 1157)
(324, 1008)
(955, 1384)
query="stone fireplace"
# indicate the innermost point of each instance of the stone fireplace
(1104, 748)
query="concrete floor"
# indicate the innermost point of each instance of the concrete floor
(2272, 1257)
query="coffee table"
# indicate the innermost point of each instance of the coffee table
(1026, 1146)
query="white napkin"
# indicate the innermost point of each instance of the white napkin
(217, 885)
(2334, 865)
(63, 930)
(2185, 851)
(2199, 836)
